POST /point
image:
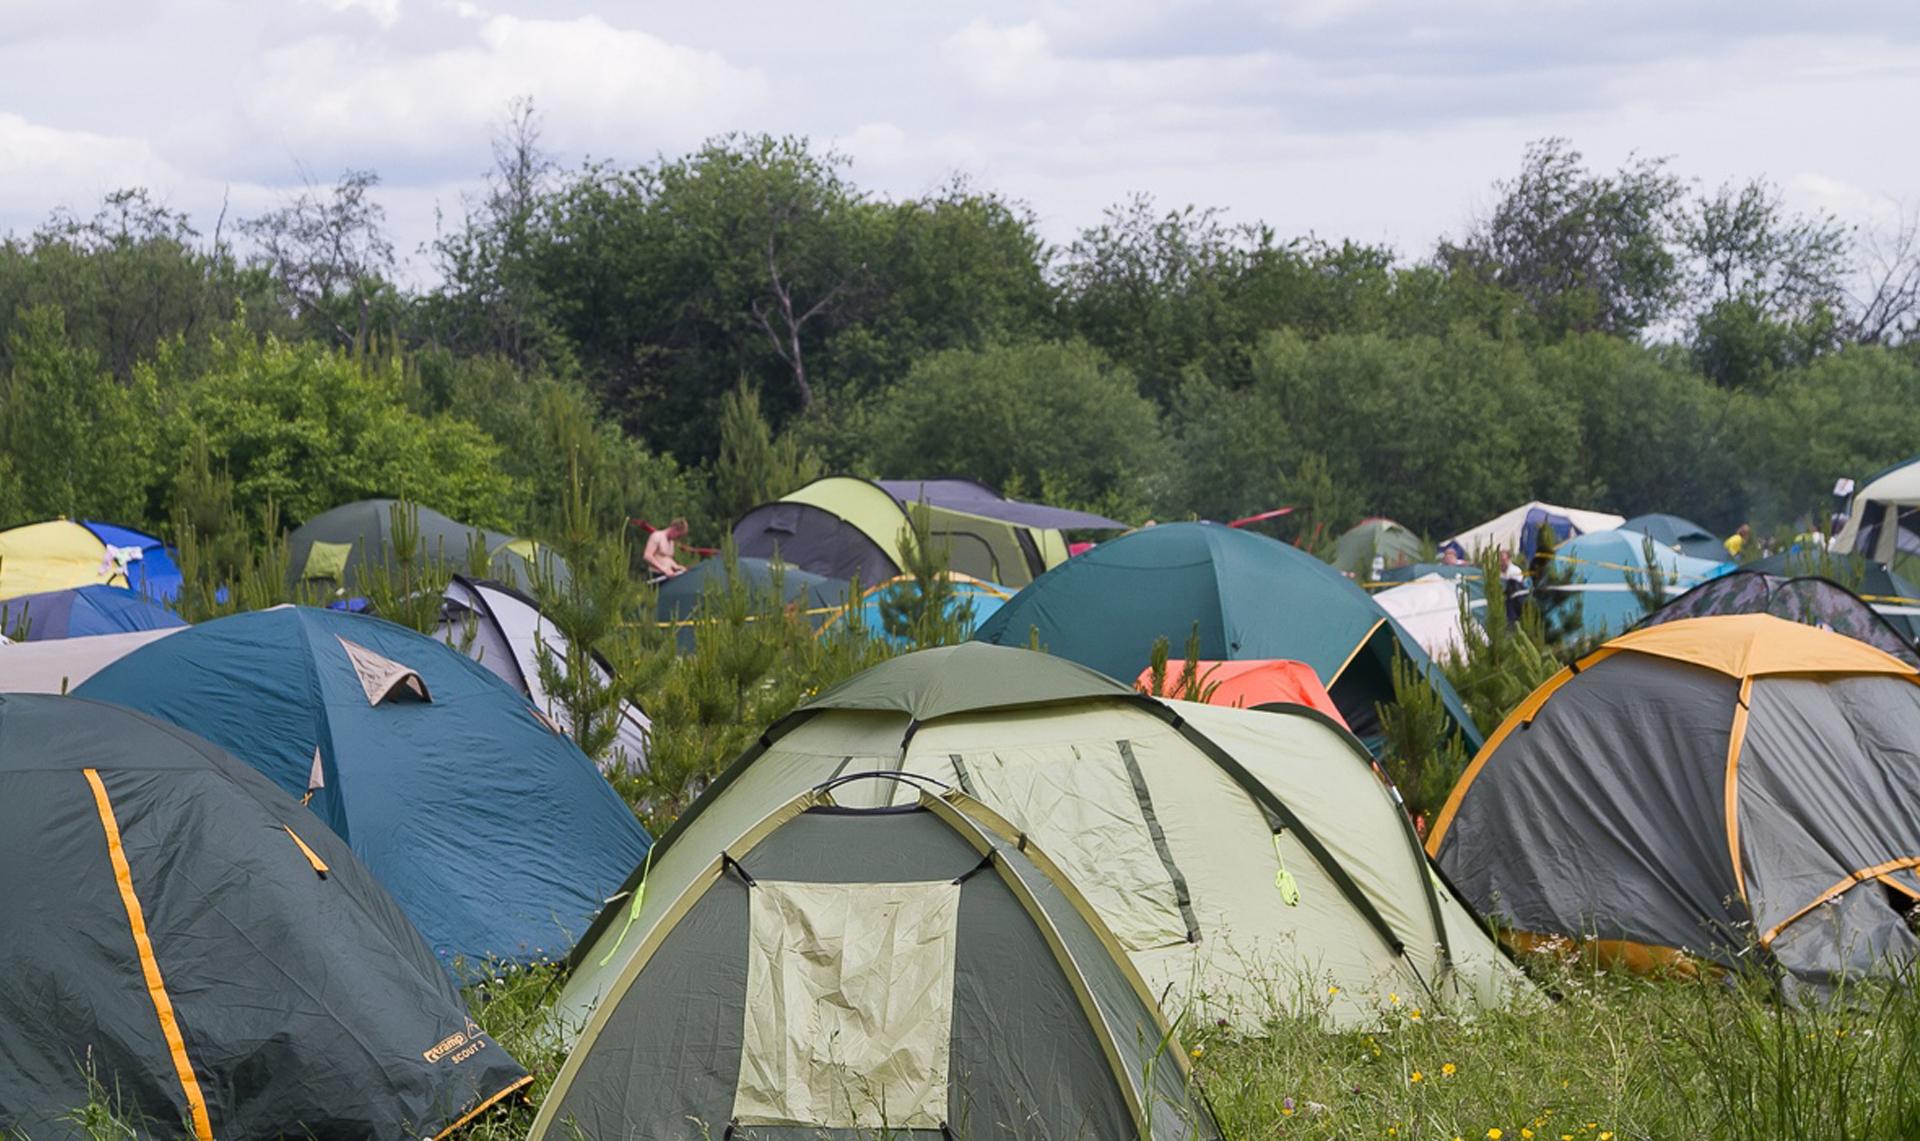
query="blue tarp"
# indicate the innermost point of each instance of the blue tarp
(495, 834)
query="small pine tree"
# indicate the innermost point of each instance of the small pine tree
(754, 466)
(921, 607)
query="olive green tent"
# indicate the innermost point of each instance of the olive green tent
(185, 937)
(848, 528)
(1251, 863)
(1395, 546)
(921, 970)
(331, 551)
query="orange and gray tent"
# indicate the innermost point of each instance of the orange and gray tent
(916, 970)
(184, 939)
(1732, 789)
(1249, 862)
(846, 528)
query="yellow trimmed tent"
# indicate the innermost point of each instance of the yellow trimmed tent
(1732, 789)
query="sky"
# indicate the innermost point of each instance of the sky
(1387, 122)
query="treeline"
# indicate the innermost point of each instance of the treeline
(690, 335)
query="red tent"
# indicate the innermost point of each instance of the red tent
(1250, 684)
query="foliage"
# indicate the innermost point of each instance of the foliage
(1506, 652)
(1422, 750)
(923, 609)
(754, 467)
(80, 444)
(327, 256)
(1582, 252)
(1027, 416)
(309, 428)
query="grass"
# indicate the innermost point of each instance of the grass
(1608, 1057)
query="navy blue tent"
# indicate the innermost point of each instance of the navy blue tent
(495, 834)
(80, 612)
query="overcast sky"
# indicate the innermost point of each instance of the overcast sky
(1383, 121)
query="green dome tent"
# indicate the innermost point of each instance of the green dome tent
(1391, 543)
(917, 970)
(331, 550)
(1252, 597)
(493, 831)
(1246, 860)
(187, 936)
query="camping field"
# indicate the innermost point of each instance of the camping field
(1603, 1056)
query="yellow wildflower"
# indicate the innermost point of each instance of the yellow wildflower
(1447, 1069)
(1494, 1134)
(1417, 1075)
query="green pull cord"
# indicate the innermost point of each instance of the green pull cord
(633, 913)
(1283, 879)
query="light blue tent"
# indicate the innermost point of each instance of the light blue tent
(973, 601)
(82, 611)
(494, 833)
(1605, 564)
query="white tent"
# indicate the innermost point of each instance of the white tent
(1428, 608)
(1888, 498)
(58, 664)
(503, 630)
(1508, 531)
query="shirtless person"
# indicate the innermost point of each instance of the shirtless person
(658, 554)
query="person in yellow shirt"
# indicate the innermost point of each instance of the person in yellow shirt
(1737, 542)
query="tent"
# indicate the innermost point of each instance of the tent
(1250, 862)
(60, 553)
(504, 630)
(913, 971)
(1891, 595)
(59, 665)
(187, 936)
(1883, 521)
(82, 611)
(1737, 788)
(769, 584)
(1383, 539)
(971, 602)
(1518, 531)
(1252, 597)
(1807, 598)
(846, 528)
(1682, 535)
(331, 551)
(497, 836)
(1249, 685)
(1605, 566)
(1428, 609)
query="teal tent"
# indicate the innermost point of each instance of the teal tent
(186, 942)
(494, 832)
(1247, 596)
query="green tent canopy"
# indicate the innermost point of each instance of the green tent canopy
(187, 937)
(840, 972)
(1248, 596)
(332, 550)
(1251, 863)
(1390, 542)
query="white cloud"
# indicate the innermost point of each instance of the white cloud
(386, 13)
(1006, 63)
(43, 168)
(598, 87)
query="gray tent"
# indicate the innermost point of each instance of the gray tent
(1737, 789)
(917, 971)
(504, 630)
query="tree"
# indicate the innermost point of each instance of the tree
(1765, 284)
(753, 466)
(1887, 310)
(328, 255)
(1582, 252)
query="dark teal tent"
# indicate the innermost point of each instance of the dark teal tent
(1248, 596)
(183, 936)
(769, 586)
(82, 611)
(498, 837)
(1682, 535)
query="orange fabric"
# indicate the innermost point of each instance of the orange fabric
(1640, 958)
(1731, 796)
(477, 1110)
(1852, 881)
(319, 865)
(1244, 685)
(1749, 645)
(149, 966)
